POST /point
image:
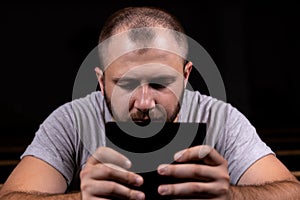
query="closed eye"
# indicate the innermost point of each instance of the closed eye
(128, 84)
(157, 86)
(162, 82)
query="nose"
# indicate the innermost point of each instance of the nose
(144, 98)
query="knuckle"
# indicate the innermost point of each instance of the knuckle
(99, 154)
(131, 194)
(224, 177)
(84, 172)
(197, 171)
(225, 163)
(130, 178)
(85, 187)
(98, 171)
(110, 188)
(105, 170)
(223, 186)
(196, 189)
(223, 189)
(188, 154)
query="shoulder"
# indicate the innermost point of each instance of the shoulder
(68, 114)
(90, 101)
(93, 99)
(201, 108)
(221, 117)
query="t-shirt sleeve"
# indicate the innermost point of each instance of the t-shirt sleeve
(243, 145)
(54, 142)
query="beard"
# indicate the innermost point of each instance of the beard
(157, 114)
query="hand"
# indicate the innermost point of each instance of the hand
(209, 180)
(105, 176)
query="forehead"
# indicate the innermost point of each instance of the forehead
(145, 62)
(135, 42)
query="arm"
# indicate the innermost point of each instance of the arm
(35, 179)
(104, 175)
(267, 178)
(41, 196)
(274, 190)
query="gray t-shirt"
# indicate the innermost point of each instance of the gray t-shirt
(74, 131)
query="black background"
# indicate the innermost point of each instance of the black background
(255, 45)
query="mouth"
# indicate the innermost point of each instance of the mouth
(142, 122)
(147, 121)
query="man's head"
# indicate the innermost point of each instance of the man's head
(138, 17)
(144, 72)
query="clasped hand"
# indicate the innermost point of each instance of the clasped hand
(106, 175)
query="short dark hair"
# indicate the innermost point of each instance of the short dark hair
(139, 17)
(139, 21)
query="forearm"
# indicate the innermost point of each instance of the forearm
(283, 190)
(40, 196)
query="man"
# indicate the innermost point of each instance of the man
(144, 84)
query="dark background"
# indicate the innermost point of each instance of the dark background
(255, 45)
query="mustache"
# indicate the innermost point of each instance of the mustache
(155, 114)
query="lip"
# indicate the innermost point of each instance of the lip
(141, 119)
(142, 122)
(147, 121)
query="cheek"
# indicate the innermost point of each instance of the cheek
(169, 99)
(120, 100)
(175, 90)
(114, 92)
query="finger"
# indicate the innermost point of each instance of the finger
(190, 171)
(112, 172)
(92, 198)
(192, 190)
(108, 155)
(108, 189)
(203, 152)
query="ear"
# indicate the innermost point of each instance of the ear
(187, 71)
(99, 74)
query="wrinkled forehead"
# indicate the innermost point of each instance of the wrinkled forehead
(141, 40)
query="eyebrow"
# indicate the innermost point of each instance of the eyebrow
(166, 78)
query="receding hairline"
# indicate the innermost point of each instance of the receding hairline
(139, 17)
(134, 20)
